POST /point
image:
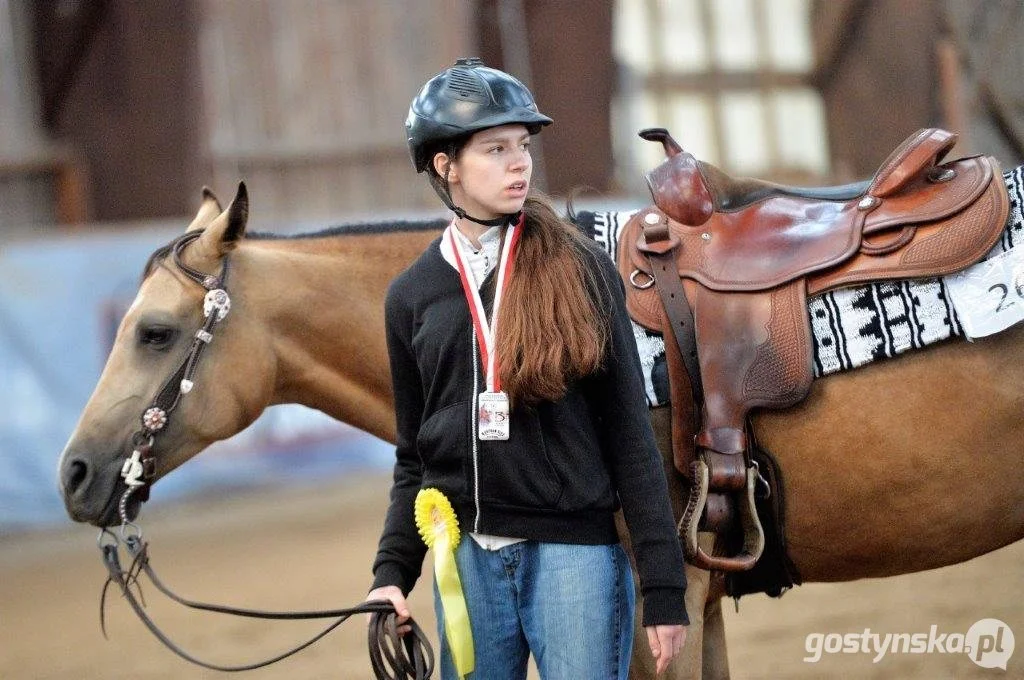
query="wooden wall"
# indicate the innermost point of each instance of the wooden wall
(39, 179)
(563, 51)
(306, 99)
(889, 67)
(876, 70)
(129, 106)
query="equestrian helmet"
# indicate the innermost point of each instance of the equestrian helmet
(463, 99)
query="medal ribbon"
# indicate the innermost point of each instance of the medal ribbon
(484, 330)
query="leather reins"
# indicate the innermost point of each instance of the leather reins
(392, 656)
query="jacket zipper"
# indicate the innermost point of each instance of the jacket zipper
(472, 433)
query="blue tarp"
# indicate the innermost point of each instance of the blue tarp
(61, 300)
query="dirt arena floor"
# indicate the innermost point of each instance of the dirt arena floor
(312, 547)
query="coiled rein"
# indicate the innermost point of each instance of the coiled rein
(392, 656)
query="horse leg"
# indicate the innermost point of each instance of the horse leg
(715, 664)
(694, 656)
(687, 665)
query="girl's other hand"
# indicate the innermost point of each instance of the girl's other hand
(666, 642)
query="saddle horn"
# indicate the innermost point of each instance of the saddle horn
(662, 135)
(678, 186)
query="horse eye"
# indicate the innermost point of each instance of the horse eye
(157, 336)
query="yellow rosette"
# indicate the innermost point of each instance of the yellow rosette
(439, 528)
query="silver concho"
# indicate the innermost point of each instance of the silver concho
(217, 299)
(868, 202)
(132, 471)
(154, 419)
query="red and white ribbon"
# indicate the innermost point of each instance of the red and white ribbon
(485, 331)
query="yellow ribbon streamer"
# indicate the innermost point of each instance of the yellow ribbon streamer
(439, 528)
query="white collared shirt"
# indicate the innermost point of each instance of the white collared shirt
(481, 260)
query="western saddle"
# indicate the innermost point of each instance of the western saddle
(722, 267)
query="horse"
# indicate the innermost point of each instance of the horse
(884, 475)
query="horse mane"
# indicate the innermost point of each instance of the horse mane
(357, 228)
(352, 229)
(158, 256)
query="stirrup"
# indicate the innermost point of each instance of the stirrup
(753, 533)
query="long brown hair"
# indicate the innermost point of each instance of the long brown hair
(550, 330)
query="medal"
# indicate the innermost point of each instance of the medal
(492, 406)
(492, 417)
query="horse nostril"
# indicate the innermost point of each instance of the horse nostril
(75, 473)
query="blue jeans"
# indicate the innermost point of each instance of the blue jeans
(571, 606)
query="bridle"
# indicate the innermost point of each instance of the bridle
(392, 656)
(140, 468)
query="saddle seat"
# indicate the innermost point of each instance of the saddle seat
(736, 193)
(722, 267)
(760, 237)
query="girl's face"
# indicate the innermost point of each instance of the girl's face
(491, 174)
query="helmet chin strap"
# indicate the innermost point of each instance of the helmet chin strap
(440, 185)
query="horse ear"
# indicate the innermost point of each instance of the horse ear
(208, 211)
(238, 217)
(223, 233)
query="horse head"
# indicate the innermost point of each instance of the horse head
(148, 367)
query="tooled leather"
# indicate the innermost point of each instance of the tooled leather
(937, 249)
(781, 373)
(783, 238)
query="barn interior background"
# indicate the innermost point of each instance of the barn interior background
(114, 113)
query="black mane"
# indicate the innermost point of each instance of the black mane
(354, 229)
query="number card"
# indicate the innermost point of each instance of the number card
(989, 296)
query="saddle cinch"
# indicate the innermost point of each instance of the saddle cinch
(722, 267)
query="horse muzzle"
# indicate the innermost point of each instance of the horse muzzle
(92, 490)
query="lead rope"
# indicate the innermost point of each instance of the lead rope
(392, 656)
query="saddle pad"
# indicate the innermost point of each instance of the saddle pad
(850, 326)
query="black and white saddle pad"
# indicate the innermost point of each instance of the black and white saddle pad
(855, 326)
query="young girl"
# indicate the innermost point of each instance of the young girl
(536, 433)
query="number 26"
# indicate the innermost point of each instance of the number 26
(1004, 292)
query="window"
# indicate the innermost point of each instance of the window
(728, 78)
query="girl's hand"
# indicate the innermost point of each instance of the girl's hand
(394, 595)
(665, 642)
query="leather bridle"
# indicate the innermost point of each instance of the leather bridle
(140, 468)
(392, 656)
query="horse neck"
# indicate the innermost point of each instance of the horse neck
(321, 303)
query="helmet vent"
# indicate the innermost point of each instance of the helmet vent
(464, 84)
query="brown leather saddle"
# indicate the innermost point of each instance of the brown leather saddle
(722, 267)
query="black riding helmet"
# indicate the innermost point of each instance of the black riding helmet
(465, 98)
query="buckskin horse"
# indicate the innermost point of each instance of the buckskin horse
(884, 474)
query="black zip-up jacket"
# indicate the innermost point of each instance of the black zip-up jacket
(567, 464)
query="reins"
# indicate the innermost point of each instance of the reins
(392, 656)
